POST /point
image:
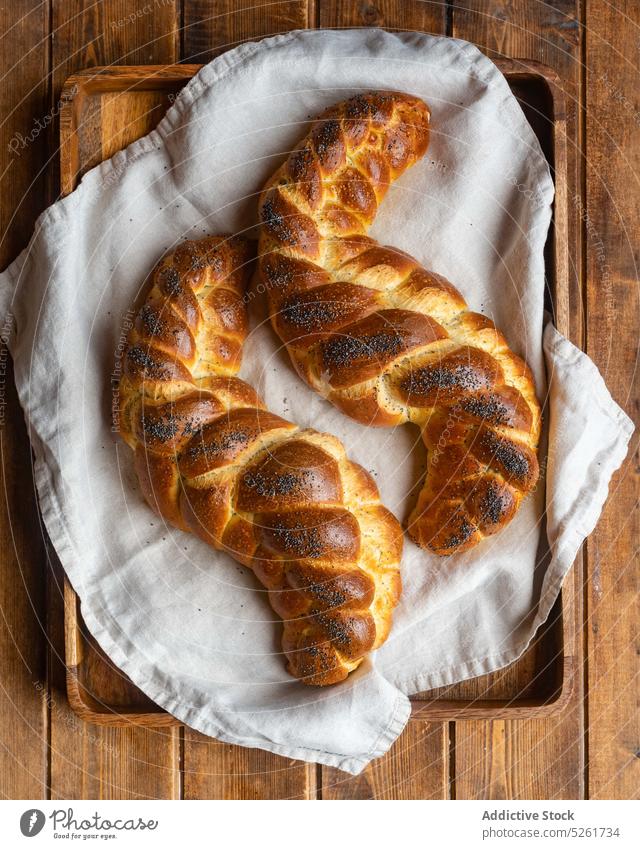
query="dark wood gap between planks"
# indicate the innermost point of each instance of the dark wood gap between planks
(582, 147)
(452, 760)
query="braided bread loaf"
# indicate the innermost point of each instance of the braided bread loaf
(211, 459)
(383, 338)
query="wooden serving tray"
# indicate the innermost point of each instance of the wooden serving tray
(105, 109)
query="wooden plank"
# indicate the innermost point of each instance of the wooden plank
(211, 28)
(525, 759)
(113, 31)
(416, 767)
(87, 761)
(24, 106)
(96, 762)
(519, 760)
(106, 763)
(549, 33)
(403, 15)
(610, 218)
(215, 770)
(532, 758)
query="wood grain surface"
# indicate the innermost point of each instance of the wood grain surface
(416, 767)
(589, 750)
(23, 680)
(610, 217)
(510, 759)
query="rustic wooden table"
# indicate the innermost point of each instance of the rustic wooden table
(591, 749)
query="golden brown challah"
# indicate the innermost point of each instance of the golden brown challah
(383, 338)
(211, 459)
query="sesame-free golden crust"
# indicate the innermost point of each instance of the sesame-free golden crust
(383, 338)
(210, 459)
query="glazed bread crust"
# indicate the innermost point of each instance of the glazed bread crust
(211, 459)
(383, 338)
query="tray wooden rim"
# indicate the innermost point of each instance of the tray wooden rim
(159, 77)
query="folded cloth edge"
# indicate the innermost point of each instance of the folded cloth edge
(554, 344)
(192, 716)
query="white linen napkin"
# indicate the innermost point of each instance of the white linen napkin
(187, 624)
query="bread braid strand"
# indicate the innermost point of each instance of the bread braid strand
(211, 459)
(383, 338)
